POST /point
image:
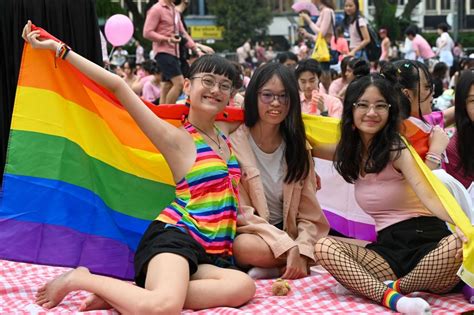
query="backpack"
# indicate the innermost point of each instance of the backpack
(373, 49)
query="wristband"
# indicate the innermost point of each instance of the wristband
(61, 52)
(434, 159)
(440, 156)
(58, 49)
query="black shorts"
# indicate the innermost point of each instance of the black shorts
(404, 244)
(170, 66)
(162, 238)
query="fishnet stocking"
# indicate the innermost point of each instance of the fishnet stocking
(358, 269)
(436, 272)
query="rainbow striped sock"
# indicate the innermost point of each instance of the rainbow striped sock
(394, 285)
(390, 298)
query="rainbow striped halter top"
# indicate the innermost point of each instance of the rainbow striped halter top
(206, 200)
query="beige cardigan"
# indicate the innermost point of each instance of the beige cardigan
(303, 220)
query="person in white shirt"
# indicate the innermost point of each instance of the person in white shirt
(445, 45)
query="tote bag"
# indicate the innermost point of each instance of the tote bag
(321, 50)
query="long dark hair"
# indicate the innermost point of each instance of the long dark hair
(407, 74)
(292, 128)
(464, 125)
(344, 64)
(349, 19)
(348, 161)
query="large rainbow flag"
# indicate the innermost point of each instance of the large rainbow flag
(82, 182)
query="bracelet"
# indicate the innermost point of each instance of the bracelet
(65, 52)
(58, 50)
(433, 158)
(61, 52)
(440, 156)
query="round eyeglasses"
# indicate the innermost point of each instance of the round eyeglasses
(267, 97)
(209, 82)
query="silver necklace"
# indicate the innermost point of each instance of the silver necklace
(218, 142)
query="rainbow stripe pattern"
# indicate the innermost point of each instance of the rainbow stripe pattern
(390, 299)
(82, 182)
(206, 198)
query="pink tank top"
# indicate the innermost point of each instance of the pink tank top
(388, 198)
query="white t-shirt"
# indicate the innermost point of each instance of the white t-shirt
(271, 167)
(445, 38)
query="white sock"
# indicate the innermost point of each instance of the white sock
(263, 273)
(413, 306)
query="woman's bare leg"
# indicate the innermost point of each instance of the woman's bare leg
(167, 288)
(212, 286)
(170, 283)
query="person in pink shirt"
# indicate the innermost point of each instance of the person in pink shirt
(414, 250)
(324, 24)
(358, 29)
(339, 85)
(385, 44)
(163, 26)
(148, 69)
(339, 43)
(419, 44)
(313, 101)
(151, 89)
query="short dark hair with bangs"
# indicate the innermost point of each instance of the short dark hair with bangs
(214, 64)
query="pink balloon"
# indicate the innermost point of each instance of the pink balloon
(118, 29)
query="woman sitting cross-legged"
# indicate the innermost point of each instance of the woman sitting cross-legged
(414, 250)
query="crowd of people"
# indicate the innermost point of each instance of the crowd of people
(246, 205)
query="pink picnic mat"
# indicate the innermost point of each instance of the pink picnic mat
(313, 295)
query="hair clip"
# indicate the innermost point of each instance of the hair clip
(407, 65)
(399, 71)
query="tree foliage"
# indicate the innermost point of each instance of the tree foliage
(385, 16)
(242, 19)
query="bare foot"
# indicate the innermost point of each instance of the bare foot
(53, 292)
(94, 302)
